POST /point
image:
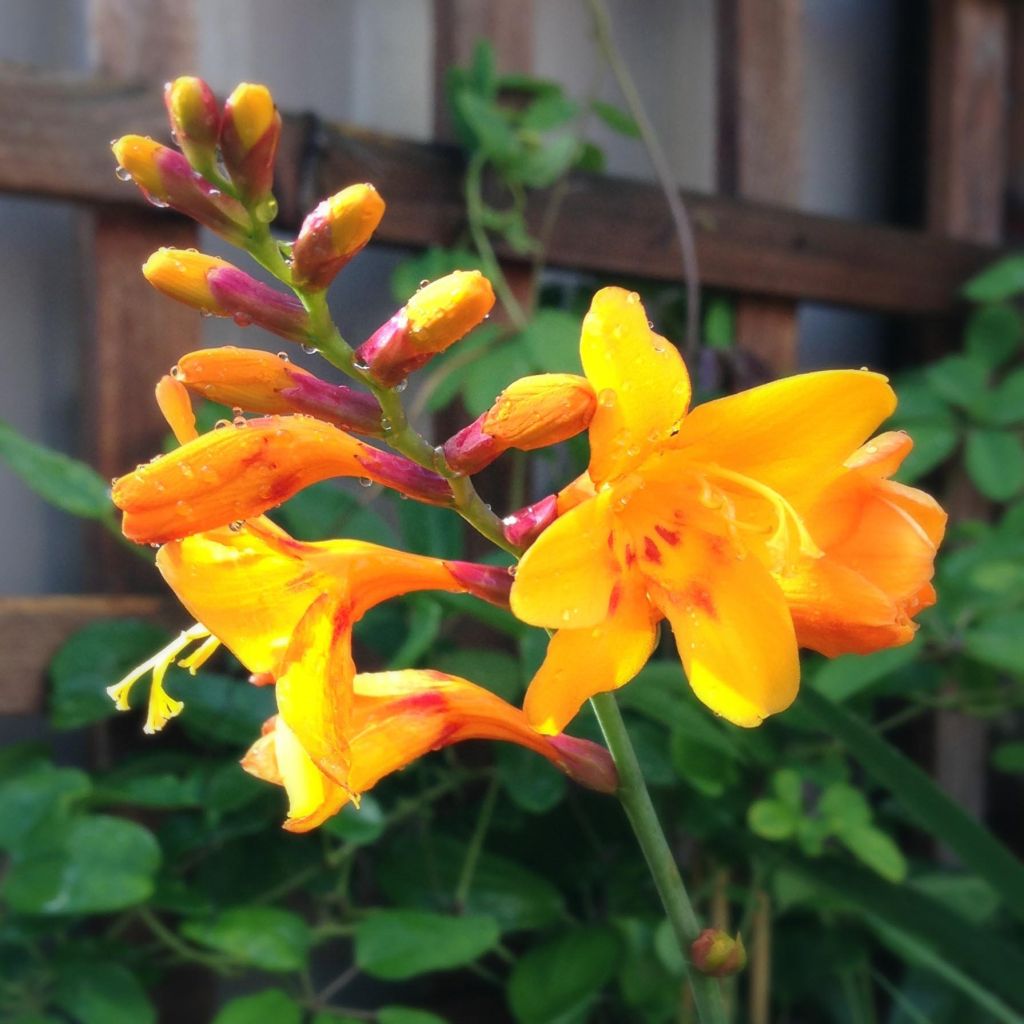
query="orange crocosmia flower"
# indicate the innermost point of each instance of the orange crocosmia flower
(286, 610)
(398, 717)
(237, 472)
(709, 518)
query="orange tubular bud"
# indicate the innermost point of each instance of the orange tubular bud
(717, 954)
(333, 233)
(167, 179)
(530, 413)
(248, 141)
(195, 120)
(235, 473)
(437, 316)
(215, 287)
(261, 382)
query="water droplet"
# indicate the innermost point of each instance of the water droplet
(266, 210)
(401, 386)
(385, 424)
(360, 366)
(242, 319)
(365, 481)
(214, 193)
(283, 356)
(240, 421)
(513, 569)
(176, 372)
(309, 349)
(221, 424)
(206, 312)
(236, 526)
(424, 282)
(122, 172)
(156, 201)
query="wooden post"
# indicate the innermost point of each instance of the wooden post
(759, 88)
(967, 160)
(138, 333)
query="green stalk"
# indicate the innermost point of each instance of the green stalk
(636, 801)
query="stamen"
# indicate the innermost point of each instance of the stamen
(200, 656)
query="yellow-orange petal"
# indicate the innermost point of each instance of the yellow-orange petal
(176, 406)
(582, 662)
(234, 474)
(540, 410)
(733, 630)
(566, 578)
(792, 435)
(313, 797)
(314, 687)
(181, 274)
(251, 110)
(442, 312)
(641, 381)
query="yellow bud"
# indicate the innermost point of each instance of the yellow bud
(182, 275)
(193, 112)
(138, 156)
(544, 409)
(252, 112)
(444, 311)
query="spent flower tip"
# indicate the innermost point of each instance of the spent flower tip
(717, 954)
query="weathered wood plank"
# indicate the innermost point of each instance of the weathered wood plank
(58, 148)
(32, 629)
(760, 83)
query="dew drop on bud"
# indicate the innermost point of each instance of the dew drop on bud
(176, 372)
(242, 319)
(266, 210)
(239, 421)
(283, 356)
(122, 172)
(309, 349)
(401, 386)
(365, 481)
(221, 424)
(424, 282)
(160, 204)
(236, 526)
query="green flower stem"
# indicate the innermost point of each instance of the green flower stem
(476, 845)
(401, 436)
(636, 802)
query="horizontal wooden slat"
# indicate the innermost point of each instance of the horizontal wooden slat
(55, 143)
(32, 629)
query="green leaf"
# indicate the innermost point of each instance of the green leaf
(844, 807)
(491, 374)
(1008, 400)
(533, 783)
(64, 482)
(590, 160)
(482, 72)
(959, 379)
(552, 341)
(772, 819)
(494, 670)
(265, 937)
(995, 462)
(219, 709)
(996, 641)
(562, 975)
(427, 530)
(39, 798)
(93, 659)
(517, 898)
(406, 1015)
(423, 628)
(91, 865)
(397, 944)
(492, 134)
(616, 119)
(993, 334)
(789, 788)
(922, 800)
(547, 111)
(543, 165)
(272, 1004)
(102, 993)
(163, 789)
(874, 848)
(707, 768)
(324, 511)
(358, 825)
(719, 323)
(850, 675)
(1009, 757)
(999, 282)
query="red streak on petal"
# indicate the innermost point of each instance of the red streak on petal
(651, 552)
(700, 597)
(630, 556)
(667, 535)
(616, 596)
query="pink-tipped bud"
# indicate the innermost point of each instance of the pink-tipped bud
(530, 413)
(490, 583)
(333, 233)
(522, 528)
(258, 381)
(437, 316)
(717, 954)
(195, 121)
(215, 287)
(587, 763)
(248, 140)
(167, 179)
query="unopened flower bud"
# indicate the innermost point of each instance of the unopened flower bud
(167, 179)
(530, 413)
(261, 382)
(490, 583)
(195, 120)
(717, 954)
(333, 233)
(437, 316)
(522, 528)
(248, 140)
(215, 287)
